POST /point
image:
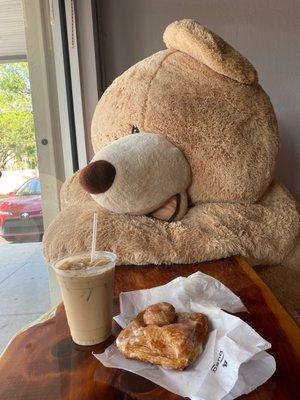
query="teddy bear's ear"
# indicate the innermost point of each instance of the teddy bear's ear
(199, 42)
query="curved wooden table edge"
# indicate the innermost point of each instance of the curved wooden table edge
(286, 322)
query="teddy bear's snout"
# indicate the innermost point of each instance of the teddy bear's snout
(97, 177)
(139, 174)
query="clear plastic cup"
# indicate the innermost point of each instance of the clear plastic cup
(87, 292)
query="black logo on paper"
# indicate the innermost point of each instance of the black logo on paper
(220, 361)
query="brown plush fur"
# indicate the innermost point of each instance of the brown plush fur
(263, 232)
(204, 97)
(227, 131)
(205, 46)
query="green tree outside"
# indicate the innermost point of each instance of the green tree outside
(17, 138)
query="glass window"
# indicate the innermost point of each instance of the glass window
(30, 138)
(21, 217)
(21, 212)
(31, 187)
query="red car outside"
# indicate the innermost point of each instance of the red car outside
(21, 215)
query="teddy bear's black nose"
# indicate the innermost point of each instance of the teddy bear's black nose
(97, 177)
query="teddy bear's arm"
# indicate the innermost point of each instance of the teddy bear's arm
(264, 232)
(72, 192)
(135, 239)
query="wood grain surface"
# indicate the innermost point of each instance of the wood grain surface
(42, 363)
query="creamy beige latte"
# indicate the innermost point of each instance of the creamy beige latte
(87, 291)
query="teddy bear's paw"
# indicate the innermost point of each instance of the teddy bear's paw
(72, 192)
(135, 239)
(67, 233)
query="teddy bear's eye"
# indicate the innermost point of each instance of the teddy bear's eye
(135, 129)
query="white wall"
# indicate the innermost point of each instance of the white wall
(265, 31)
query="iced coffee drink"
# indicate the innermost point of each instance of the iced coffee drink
(87, 291)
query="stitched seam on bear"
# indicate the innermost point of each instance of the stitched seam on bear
(150, 83)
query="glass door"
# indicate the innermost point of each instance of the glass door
(24, 281)
(21, 213)
(42, 142)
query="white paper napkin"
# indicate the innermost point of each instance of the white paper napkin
(234, 361)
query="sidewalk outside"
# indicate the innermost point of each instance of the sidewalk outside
(24, 287)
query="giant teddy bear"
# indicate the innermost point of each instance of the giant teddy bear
(185, 147)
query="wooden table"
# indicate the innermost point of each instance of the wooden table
(43, 363)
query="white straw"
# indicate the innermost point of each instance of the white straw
(94, 237)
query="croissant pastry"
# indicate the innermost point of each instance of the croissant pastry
(161, 336)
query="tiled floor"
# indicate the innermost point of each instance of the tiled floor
(24, 287)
